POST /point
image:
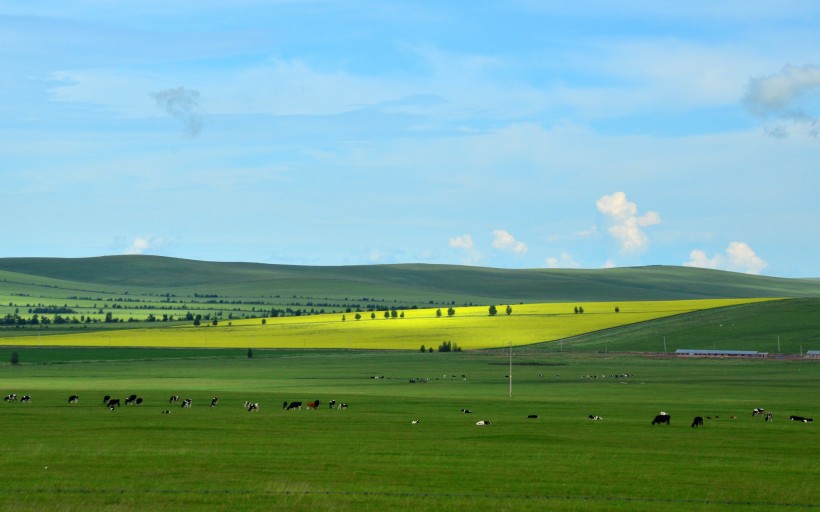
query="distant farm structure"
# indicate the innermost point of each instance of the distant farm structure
(682, 352)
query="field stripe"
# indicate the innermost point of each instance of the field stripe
(251, 492)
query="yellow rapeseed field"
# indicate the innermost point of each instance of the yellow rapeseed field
(470, 327)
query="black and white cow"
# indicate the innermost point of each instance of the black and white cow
(25, 399)
(214, 401)
(661, 419)
(769, 416)
(414, 422)
(293, 406)
(595, 417)
(466, 411)
(253, 407)
(342, 406)
(131, 399)
(758, 411)
(138, 401)
(332, 404)
(73, 399)
(106, 398)
(166, 412)
(697, 422)
(112, 403)
(483, 423)
(801, 418)
(173, 399)
(186, 404)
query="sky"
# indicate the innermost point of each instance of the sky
(508, 134)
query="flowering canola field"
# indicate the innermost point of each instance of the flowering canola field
(470, 327)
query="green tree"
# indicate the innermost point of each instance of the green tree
(358, 316)
(394, 313)
(451, 311)
(438, 313)
(373, 314)
(250, 353)
(264, 321)
(387, 314)
(493, 311)
(423, 349)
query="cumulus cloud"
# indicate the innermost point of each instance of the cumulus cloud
(504, 241)
(565, 260)
(739, 257)
(182, 104)
(142, 245)
(790, 97)
(625, 223)
(465, 244)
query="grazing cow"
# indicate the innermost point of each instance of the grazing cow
(483, 423)
(106, 398)
(332, 403)
(138, 401)
(173, 399)
(414, 422)
(73, 399)
(595, 417)
(757, 411)
(769, 416)
(10, 398)
(466, 411)
(732, 417)
(186, 404)
(293, 406)
(214, 401)
(801, 418)
(342, 406)
(131, 399)
(113, 402)
(26, 399)
(253, 407)
(661, 419)
(166, 412)
(697, 422)
(532, 417)
(313, 405)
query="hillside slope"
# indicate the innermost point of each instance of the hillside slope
(411, 282)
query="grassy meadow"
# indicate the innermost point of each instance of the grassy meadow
(70, 457)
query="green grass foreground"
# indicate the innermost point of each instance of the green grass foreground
(62, 457)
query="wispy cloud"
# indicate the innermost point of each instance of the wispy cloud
(739, 257)
(504, 241)
(182, 104)
(565, 260)
(789, 97)
(465, 245)
(625, 223)
(147, 244)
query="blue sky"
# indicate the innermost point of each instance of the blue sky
(514, 134)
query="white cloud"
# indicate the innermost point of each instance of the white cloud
(141, 245)
(790, 96)
(739, 257)
(465, 243)
(565, 260)
(504, 241)
(625, 222)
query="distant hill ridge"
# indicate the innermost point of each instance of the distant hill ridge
(407, 281)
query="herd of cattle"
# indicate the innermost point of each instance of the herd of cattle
(662, 418)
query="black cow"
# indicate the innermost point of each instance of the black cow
(697, 422)
(73, 399)
(660, 419)
(293, 406)
(532, 417)
(113, 403)
(138, 401)
(106, 398)
(131, 399)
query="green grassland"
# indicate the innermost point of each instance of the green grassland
(63, 457)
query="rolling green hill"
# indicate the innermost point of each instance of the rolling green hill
(403, 282)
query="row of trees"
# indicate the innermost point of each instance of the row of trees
(446, 346)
